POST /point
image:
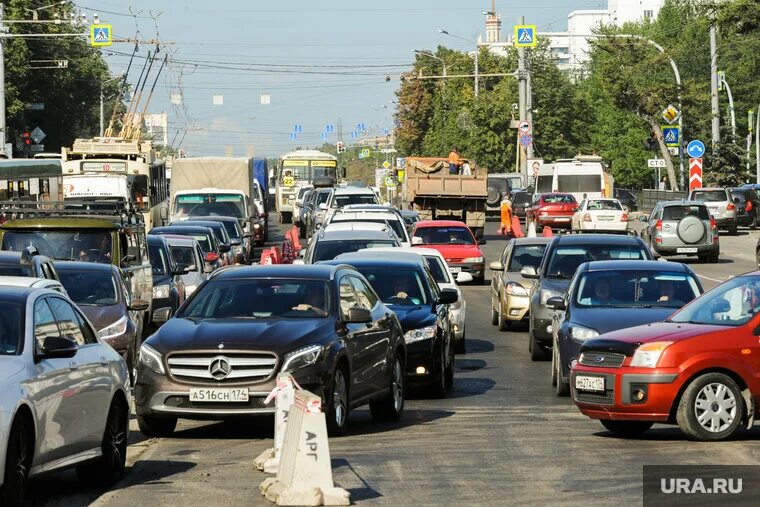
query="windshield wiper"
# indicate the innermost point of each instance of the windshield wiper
(560, 275)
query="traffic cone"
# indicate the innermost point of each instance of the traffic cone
(547, 233)
(517, 227)
(532, 229)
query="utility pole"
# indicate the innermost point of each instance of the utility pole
(529, 105)
(522, 102)
(477, 70)
(3, 134)
(715, 105)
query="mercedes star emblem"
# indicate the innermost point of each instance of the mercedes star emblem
(219, 368)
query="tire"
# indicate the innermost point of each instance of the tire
(391, 408)
(109, 468)
(503, 323)
(156, 426)
(713, 258)
(626, 428)
(721, 408)
(554, 370)
(459, 345)
(561, 388)
(338, 403)
(733, 231)
(450, 369)
(18, 460)
(495, 315)
(437, 387)
(537, 353)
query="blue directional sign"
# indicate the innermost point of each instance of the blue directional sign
(297, 128)
(354, 134)
(329, 128)
(293, 136)
(696, 149)
(323, 136)
(386, 131)
(671, 136)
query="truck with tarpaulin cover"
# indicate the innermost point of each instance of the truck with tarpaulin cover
(437, 195)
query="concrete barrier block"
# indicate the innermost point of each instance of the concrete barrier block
(308, 497)
(260, 461)
(336, 496)
(266, 484)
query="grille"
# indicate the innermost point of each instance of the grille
(228, 367)
(602, 359)
(608, 398)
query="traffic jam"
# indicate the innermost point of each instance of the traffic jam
(131, 289)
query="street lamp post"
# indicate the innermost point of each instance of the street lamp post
(477, 52)
(430, 55)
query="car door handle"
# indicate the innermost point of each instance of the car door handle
(73, 365)
(103, 361)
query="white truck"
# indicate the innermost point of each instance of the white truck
(584, 176)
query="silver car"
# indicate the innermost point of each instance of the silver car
(682, 228)
(721, 205)
(63, 394)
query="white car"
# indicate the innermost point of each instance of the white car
(63, 394)
(445, 280)
(600, 215)
(32, 282)
(379, 215)
(344, 196)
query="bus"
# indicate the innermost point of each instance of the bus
(584, 176)
(134, 162)
(297, 169)
(31, 180)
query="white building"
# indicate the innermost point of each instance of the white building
(570, 48)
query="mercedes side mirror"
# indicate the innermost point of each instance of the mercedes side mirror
(358, 315)
(448, 297)
(57, 347)
(556, 303)
(529, 272)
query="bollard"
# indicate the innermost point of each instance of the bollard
(547, 233)
(283, 394)
(276, 255)
(296, 237)
(266, 257)
(517, 227)
(532, 229)
(304, 476)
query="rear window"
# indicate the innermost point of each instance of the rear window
(678, 212)
(558, 198)
(580, 183)
(521, 199)
(544, 184)
(709, 195)
(606, 205)
(739, 194)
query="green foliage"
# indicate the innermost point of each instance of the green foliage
(71, 96)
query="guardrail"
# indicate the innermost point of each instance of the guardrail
(650, 196)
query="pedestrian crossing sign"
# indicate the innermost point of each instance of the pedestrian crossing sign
(671, 135)
(525, 36)
(101, 35)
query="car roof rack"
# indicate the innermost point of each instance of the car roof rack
(107, 209)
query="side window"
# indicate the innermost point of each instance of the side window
(68, 320)
(347, 296)
(143, 257)
(506, 254)
(364, 293)
(46, 271)
(433, 287)
(87, 331)
(133, 247)
(124, 288)
(44, 322)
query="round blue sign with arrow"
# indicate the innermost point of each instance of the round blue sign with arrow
(696, 149)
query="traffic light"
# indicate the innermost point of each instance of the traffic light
(341, 147)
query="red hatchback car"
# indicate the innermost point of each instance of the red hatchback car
(699, 369)
(552, 210)
(456, 243)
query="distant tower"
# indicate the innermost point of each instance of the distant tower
(493, 25)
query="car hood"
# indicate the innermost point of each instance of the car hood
(414, 317)
(628, 340)
(103, 316)
(606, 320)
(457, 251)
(272, 335)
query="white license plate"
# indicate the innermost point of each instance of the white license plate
(686, 250)
(455, 270)
(562, 219)
(607, 219)
(583, 383)
(223, 395)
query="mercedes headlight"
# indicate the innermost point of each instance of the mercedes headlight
(423, 333)
(161, 291)
(546, 294)
(475, 260)
(581, 334)
(300, 358)
(117, 328)
(151, 358)
(647, 355)
(515, 289)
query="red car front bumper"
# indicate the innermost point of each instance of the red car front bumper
(634, 394)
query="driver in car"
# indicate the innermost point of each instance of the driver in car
(402, 288)
(314, 302)
(99, 251)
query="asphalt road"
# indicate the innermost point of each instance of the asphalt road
(501, 437)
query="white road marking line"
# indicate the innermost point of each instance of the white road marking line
(712, 279)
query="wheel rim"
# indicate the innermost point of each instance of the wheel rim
(117, 436)
(398, 386)
(340, 398)
(715, 407)
(21, 469)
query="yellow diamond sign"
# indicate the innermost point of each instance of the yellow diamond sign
(671, 114)
(386, 164)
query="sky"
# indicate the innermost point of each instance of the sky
(321, 62)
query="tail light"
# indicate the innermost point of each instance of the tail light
(211, 257)
(658, 225)
(748, 206)
(586, 217)
(731, 206)
(713, 223)
(624, 218)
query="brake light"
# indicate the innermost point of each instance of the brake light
(730, 206)
(658, 225)
(212, 257)
(748, 207)
(624, 218)
(713, 223)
